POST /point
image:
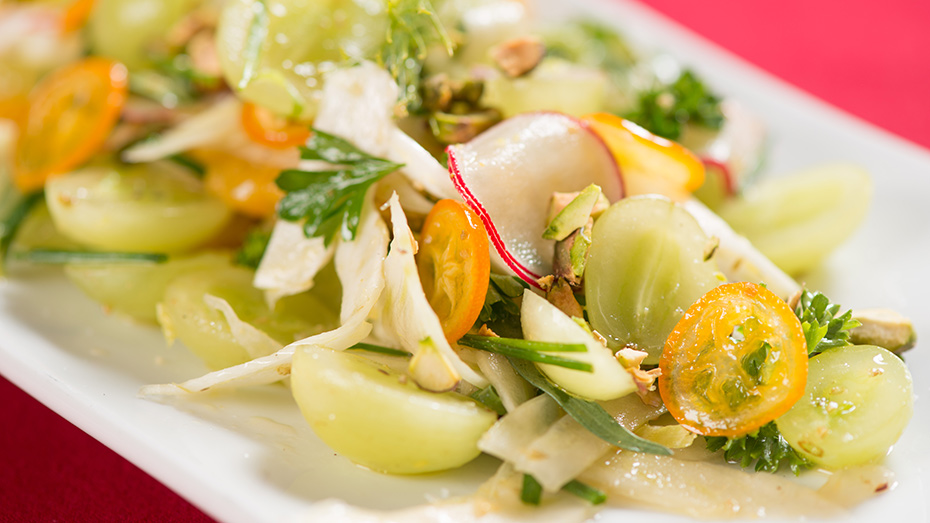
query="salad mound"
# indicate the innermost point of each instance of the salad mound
(451, 231)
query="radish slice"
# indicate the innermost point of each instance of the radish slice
(508, 174)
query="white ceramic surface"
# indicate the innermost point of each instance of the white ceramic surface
(248, 456)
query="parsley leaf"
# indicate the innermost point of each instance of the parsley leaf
(823, 329)
(412, 27)
(330, 201)
(765, 447)
(666, 110)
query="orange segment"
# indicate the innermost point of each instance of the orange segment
(244, 186)
(266, 128)
(71, 113)
(649, 164)
(454, 265)
(736, 361)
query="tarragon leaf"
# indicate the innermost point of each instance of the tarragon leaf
(588, 413)
(330, 201)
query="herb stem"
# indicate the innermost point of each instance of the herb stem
(528, 350)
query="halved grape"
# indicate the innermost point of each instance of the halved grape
(646, 266)
(798, 220)
(275, 53)
(204, 330)
(377, 418)
(129, 30)
(555, 85)
(857, 402)
(135, 288)
(155, 207)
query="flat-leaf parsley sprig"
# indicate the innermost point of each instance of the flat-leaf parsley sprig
(823, 329)
(330, 201)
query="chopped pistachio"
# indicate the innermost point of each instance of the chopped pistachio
(562, 296)
(449, 128)
(565, 218)
(518, 56)
(885, 328)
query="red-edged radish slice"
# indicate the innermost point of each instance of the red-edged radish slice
(507, 176)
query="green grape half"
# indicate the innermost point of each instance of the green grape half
(646, 266)
(157, 207)
(377, 418)
(275, 54)
(857, 402)
(132, 31)
(204, 330)
(136, 288)
(797, 220)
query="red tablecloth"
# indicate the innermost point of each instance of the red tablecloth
(871, 59)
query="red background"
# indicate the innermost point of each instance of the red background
(871, 59)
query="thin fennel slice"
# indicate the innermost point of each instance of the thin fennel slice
(360, 263)
(408, 315)
(267, 369)
(358, 105)
(291, 261)
(704, 490)
(507, 176)
(736, 257)
(511, 388)
(255, 341)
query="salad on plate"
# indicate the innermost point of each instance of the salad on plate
(451, 230)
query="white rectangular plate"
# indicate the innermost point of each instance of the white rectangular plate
(249, 456)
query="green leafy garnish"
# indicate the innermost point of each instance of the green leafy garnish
(765, 447)
(412, 28)
(823, 329)
(59, 256)
(189, 163)
(253, 248)
(531, 493)
(666, 110)
(14, 207)
(368, 347)
(588, 413)
(498, 302)
(489, 398)
(330, 201)
(586, 492)
(528, 350)
(258, 32)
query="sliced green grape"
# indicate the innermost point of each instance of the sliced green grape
(130, 30)
(857, 402)
(157, 207)
(377, 418)
(798, 220)
(645, 268)
(554, 85)
(275, 53)
(205, 331)
(135, 289)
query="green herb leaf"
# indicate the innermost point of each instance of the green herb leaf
(58, 257)
(766, 448)
(330, 201)
(253, 248)
(368, 347)
(586, 492)
(489, 398)
(666, 110)
(189, 163)
(531, 493)
(588, 413)
(823, 329)
(498, 302)
(412, 28)
(14, 207)
(528, 350)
